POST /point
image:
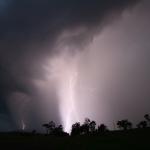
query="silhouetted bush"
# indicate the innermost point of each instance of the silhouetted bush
(76, 129)
(102, 129)
(142, 124)
(147, 117)
(52, 129)
(124, 124)
(92, 126)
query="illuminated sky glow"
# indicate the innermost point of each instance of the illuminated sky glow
(64, 72)
(62, 61)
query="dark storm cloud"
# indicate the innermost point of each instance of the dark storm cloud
(24, 20)
(27, 26)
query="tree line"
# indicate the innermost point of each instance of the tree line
(89, 127)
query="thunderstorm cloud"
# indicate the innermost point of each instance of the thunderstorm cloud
(71, 59)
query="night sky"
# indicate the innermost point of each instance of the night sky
(65, 60)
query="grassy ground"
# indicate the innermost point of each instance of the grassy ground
(134, 139)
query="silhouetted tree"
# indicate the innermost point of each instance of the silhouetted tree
(92, 126)
(58, 131)
(46, 126)
(76, 129)
(124, 124)
(102, 128)
(147, 117)
(52, 129)
(60, 128)
(129, 124)
(49, 127)
(87, 121)
(85, 128)
(142, 124)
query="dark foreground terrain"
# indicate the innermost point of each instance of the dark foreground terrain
(114, 140)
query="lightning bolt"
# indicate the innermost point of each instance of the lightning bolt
(23, 126)
(72, 111)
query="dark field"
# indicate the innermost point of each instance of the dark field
(114, 140)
